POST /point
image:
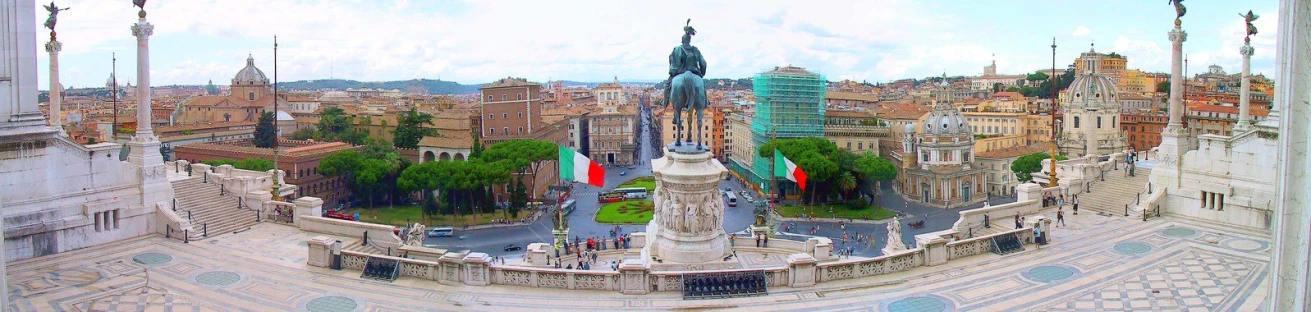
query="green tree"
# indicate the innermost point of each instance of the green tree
(996, 87)
(1013, 89)
(1037, 76)
(846, 182)
(812, 155)
(409, 129)
(1026, 165)
(266, 133)
(332, 121)
(1163, 87)
(219, 162)
(306, 133)
(254, 164)
(523, 157)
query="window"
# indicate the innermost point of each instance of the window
(848, 145)
(505, 115)
(489, 98)
(520, 130)
(859, 145)
(491, 116)
(1076, 121)
(521, 115)
(518, 96)
(505, 97)
(1212, 200)
(491, 131)
(505, 130)
(1099, 122)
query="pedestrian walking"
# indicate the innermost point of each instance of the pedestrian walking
(1076, 204)
(1060, 218)
(1017, 220)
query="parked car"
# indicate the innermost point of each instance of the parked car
(512, 247)
(623, 173)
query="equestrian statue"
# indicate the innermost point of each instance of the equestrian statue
(686, 89)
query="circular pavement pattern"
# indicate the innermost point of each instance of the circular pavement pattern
(1245, 244)
(1132, 248)
(1180, 232)
(1048, 273)
(218, 278)
(332, 304)
(152, 258)
(918, 304)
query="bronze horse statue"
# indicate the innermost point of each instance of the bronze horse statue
(686, 89)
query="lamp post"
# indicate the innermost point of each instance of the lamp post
(1052, 181)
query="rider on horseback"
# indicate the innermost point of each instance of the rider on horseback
(690, 92)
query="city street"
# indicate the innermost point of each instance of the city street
(736, 219)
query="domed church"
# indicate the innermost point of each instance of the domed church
(251, 94)
(937, 162)
(1090, 110)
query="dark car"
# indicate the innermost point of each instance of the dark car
(512, 247)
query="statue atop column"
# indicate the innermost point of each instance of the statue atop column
(685, 89)
(1179, 9)
(1251, 29)
(54, 16)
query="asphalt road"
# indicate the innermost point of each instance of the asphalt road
(581, 223)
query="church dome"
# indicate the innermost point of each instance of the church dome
(945, 120)
(1092, 87)
(910, 128)
(250, 75)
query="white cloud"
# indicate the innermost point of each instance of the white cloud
(1081, 31)
(476, 41)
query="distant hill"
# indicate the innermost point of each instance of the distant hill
(415, 86)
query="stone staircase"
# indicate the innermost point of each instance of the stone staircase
(1110, 196)
(370, 249)
(202, 204)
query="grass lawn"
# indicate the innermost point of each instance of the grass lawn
(839, 210)
(626, 212)
(648, 182)
(399, 214)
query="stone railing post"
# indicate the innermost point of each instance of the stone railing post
(476, 269)
(634, 278)
(320, 255)
(935, 248)
(801, 270)
(307, 206)
(1028, 191)
(450, 269)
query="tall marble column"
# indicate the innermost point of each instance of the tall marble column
(19, 112)
(56, 90)
(1244, 93)
(1174, 139)
(1291, 288)
(144, 153)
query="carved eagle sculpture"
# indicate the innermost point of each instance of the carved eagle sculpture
(1249, 18)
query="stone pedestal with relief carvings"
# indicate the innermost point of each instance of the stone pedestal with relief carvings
(688, 226)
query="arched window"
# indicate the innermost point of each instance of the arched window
(506, 130)
(1099, 122)
(491, 131)
(1076, 122)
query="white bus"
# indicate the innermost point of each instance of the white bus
(632, 192)
(732, 199)
(441, 232)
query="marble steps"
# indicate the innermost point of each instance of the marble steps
(357, 247)
(1110, 196)
(219, 213)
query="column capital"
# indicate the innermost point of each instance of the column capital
(143, 29)
(1178, 35)
(54, 46)
(1246, 50)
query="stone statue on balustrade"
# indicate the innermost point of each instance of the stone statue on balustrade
(894, 237)
(416, 235)
(685, 89)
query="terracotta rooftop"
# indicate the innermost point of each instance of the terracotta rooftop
(1016, 151)
(851, 96)
(509, 82)
(830, 113)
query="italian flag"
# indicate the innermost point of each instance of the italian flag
(788, 169)
(576, 167)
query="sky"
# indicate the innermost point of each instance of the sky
(478, 41)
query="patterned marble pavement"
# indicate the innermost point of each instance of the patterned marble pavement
(1098, 263)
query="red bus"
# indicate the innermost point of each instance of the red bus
(611, 197)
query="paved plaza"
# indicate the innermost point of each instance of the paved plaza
(1097, 263)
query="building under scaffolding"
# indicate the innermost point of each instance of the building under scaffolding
(790, 104)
